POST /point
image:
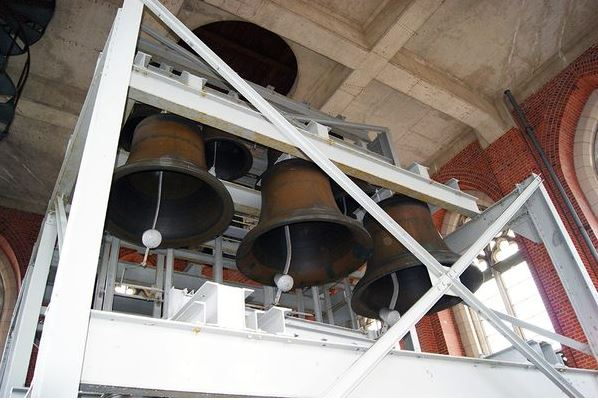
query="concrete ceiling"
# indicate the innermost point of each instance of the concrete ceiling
(430, 70)
(493, 45)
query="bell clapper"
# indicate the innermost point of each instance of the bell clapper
(152, 238)
(284, 282)
(389, 315)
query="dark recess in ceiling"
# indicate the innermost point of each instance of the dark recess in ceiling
(255, 53)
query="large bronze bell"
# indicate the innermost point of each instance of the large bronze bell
(374, 291)
(231, 156)
(325, 245)
(167, 162)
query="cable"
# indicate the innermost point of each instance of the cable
(147, 249)
(287, 264)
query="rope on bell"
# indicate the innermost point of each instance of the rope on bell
(284, 282)
(213, 169)
(152, 237)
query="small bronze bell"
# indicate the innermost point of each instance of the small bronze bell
(347, 204)
(325, 245)
(233, 158)
(374, 292)
(166, 175)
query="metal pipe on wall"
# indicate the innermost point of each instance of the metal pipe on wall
(531, 135)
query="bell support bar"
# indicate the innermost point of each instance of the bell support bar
(301, 142)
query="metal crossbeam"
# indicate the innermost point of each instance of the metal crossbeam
(222, 112)
(574, 344)
(303, 143)
(581, 292)
(447, 280)
(61, 220)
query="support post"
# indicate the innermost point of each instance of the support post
(61, 220)
(347, 293)
(19, 342)
(300, 303)
(102, 275)
(568, 264)
(218, 262)
(328, 305)
(66, 323)
(111, 275)
(160, 285)
(268, 296)
(574, 344)
(315, 293)
(167, 282)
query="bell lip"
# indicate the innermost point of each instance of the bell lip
(361, 234)
(446, 301)
(168, 164)
(247, 156)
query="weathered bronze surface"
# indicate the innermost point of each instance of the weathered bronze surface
(233, 158)
(326, 245)
(374, 291)
(194, 207)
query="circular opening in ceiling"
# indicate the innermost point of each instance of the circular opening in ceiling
(258, 55)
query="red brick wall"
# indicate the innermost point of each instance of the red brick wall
(431, 338)
(554, 112)
(438, 333)
(20, 230)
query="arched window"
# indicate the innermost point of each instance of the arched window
(585, 152)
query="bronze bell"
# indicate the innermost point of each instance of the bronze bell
(374, 291)
(347, 204)
(194, 206)
(325, 245)
(233, 158)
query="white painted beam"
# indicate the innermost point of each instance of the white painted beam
(214, 109)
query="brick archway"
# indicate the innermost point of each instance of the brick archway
(9, 287)
(583, 160)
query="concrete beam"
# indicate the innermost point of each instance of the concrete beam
(409, 75)
(554, 65)
(388, 44)
(351, 47)
(45, 113)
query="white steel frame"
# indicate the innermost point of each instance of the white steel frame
(93, 148)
